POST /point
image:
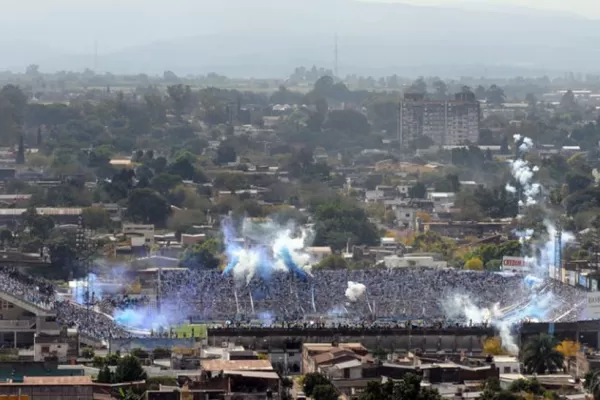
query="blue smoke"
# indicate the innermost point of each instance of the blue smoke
(233, 261)
(266, 318)
(79, 291)
(266, 248)
(147, 318)
(292, 267)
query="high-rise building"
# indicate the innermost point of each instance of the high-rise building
(448, 122)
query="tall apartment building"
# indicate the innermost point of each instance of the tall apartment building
(451, 122)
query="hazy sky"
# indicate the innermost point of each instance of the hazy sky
(587, 8)
(74, 25)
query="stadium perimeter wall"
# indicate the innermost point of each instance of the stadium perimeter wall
(584, 332)
(398, 339)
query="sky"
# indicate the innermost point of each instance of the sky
(586, 8)
(75, 26)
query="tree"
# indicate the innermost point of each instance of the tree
(418, 191)
(409, 387)
(40, 226)
(129, 369)
(449, 183)
(230, 181)
(200, 257)
(63, 258)
(347, 122)
(474, 264)
(96, 218)
(568, 103)
(418, 87)
(338, 221)
(332, 261)
(147, 207)
(226, 154)
(184, 168)
(311, 381)
(105, 375)
(440, 89)
(569, 349)
(540, 355)
(180, 97)
(493, 346)
(165, 182)
(531, 100)
(495, 95)
(324, 392)
(21, 151)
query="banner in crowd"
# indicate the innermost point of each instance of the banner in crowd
(517, 264)
(593, 305)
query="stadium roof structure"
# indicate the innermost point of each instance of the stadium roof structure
(36, 309)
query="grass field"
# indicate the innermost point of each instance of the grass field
(199, 330)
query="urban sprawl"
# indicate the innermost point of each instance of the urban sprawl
(310, 237)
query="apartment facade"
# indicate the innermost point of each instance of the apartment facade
(449, 122)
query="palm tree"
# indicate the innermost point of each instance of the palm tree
(540, 355)
(592, 383)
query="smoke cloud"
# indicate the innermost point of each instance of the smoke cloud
(355, 291)
(540, 303)
(265, 247)
(523, 173)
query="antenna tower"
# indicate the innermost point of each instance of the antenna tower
(335, 57)
(96, 56)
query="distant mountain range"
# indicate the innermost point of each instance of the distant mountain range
(267, 38)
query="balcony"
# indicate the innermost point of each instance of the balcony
(14, 325)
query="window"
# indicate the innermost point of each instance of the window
(4, 305)
(507, 370)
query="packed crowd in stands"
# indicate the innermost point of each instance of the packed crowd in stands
(397, 295)
(91, 323)
(33, 290)
(403, 293)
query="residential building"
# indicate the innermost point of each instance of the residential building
(458, 229)
(450, 122)
(140, 230)
(247, 379)
(318, 354)
(318, 254)
(60, 215)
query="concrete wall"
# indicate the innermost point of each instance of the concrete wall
(425, 342)
(148, 344)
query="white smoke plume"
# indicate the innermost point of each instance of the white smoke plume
(266, 247)
(523, 173)
(355, 291)
(462, 308)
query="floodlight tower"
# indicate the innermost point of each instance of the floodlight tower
(84, 247)
(558, 247)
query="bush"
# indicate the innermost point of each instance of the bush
(98, 362)
(161, 352)
(87, 352)
(139, 353)
(154, 382)
(112, 359)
